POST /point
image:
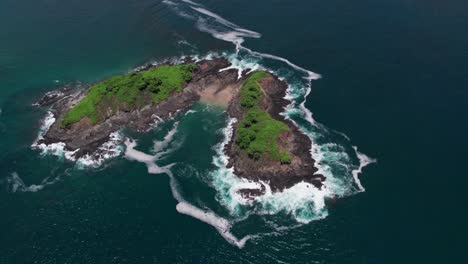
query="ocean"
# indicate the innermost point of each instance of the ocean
(379, 86)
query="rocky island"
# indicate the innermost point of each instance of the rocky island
(264, 146)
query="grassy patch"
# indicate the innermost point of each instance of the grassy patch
(258, 133)
(251, 93)
(129, 91)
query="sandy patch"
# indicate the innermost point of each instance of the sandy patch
(219, 96)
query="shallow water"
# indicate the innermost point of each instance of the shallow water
(392, 81)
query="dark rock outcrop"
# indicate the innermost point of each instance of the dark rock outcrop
(279, 176)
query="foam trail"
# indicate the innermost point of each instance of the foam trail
(364, 160)
(310, 75)
(222, 225)
(190, 112)
(226, 22)
(236, 35)
(16, 184)
(191, 2)
(132, 154)
(188, 44)
(158, 145)
(231, 32)
(316, 153)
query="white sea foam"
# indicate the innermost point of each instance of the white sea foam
(190, 112)
(212, 23)
(110, 149)
(168, 2)
(46, 123)
(364, 160)
(132, 154)
(56, 149)
(309, 74)
(329, 158)
(220, 224)
(304, 201)
(160, 145)
(235, 35)
(242, 65)
(192, 47)
(191, 2)
(225, 182)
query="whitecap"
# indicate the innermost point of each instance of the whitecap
(190, 112)
(108, 150)
(303, 200)
(57, 149)
(364, 160)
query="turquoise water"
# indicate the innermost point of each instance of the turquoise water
(393, 81)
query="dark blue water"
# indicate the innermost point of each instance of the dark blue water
(393, 80)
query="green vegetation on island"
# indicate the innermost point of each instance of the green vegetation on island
(128, 92)
(258, 133)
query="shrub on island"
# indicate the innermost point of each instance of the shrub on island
(129, 92)
(258, 133)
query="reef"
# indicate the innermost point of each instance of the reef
(265, 146)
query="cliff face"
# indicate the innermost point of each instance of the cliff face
(208, 84)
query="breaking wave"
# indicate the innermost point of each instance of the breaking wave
(110, 149)
(304, 201)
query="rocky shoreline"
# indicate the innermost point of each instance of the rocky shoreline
(212, 81)
(278, 176)
(84, 138)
